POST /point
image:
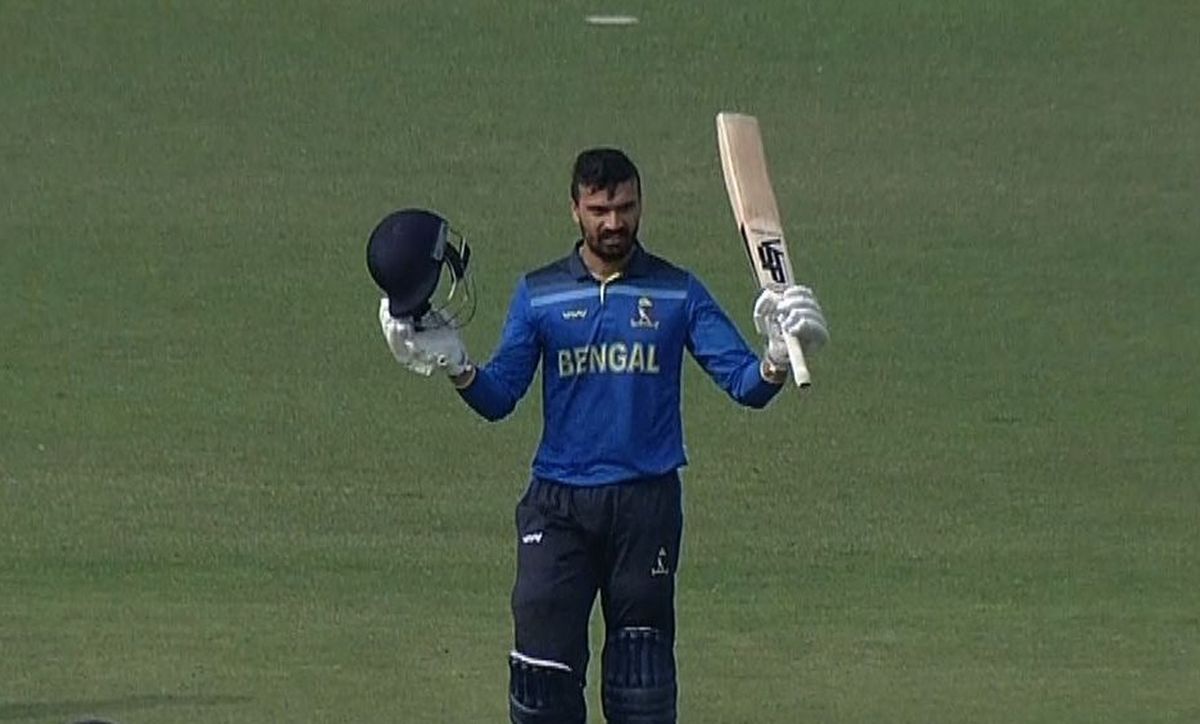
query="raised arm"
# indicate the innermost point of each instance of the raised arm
(494, 389)
(436, 346)
(723, 354)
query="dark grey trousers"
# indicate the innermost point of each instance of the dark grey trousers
(620, 540)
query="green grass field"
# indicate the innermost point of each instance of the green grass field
(221, 500)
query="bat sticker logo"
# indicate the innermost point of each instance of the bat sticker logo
(770, 255)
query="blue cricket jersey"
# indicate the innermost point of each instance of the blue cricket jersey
(611, 355)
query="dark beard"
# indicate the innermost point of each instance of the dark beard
(611, 247)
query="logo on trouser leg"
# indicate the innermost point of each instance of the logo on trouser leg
(532, 538)
(660, 564)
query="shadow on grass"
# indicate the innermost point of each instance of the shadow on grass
(97, 707)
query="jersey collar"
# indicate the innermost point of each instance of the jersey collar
(636, 267)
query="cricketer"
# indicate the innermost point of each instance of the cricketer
(609, 323)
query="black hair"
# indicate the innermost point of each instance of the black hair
(602, 168)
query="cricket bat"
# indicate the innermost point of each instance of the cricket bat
(744, 164)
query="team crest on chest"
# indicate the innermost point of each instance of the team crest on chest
(644, 319)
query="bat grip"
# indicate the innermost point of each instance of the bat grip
(796, 357)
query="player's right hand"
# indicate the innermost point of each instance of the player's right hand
(434, 346)
(399, 336)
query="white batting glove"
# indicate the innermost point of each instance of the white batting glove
(441, 344)
(435, 346)
(399, 336)
(767, 324)
(794, 312)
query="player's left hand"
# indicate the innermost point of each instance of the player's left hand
(794, 312)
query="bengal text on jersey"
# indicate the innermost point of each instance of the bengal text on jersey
(615, 357)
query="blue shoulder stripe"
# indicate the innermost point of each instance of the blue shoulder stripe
(570, 295)
(627, 291)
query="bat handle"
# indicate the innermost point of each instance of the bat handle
(799, 367)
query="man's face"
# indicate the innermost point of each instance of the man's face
(608, 222)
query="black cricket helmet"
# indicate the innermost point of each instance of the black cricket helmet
(410, 254)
